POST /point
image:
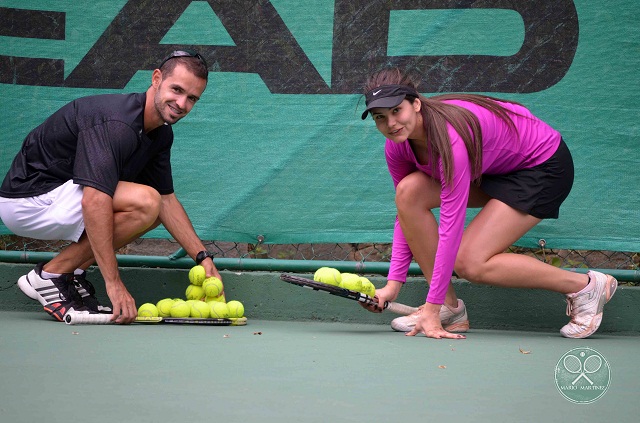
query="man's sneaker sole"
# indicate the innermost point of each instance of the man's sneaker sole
(58, 311)
(37, 294)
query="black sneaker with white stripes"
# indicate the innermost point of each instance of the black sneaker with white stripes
(88, 294)
(57, 295)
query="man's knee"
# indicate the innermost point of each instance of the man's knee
(139, 201)
(149, 203)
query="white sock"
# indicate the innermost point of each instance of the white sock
(47, 275)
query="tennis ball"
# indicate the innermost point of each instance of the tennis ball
(351, 281)
(197, 274)
(236, 309)
(164, 307)
(180, 309)
(218, 310)
(148, 310)
(194, 292)
(220, 299)
(367, 287)
(319, 274)
(212, 287)
(328, 275)
(200, 309)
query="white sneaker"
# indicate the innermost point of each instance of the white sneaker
(585, 307)
(57, 295)
(88, 294)
(452, 319)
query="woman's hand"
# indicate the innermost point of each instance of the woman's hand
(429, 324)
(388, 293)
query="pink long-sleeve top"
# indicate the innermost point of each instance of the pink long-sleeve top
(503, 151)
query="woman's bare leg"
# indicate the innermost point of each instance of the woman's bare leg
(482, 258)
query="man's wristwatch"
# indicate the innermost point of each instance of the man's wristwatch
(203, 255)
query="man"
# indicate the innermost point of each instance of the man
(98, 172)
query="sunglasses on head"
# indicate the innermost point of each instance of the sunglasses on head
(184, 53)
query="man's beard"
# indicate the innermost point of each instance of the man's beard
(165, 113)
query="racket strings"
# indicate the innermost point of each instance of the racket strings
(572, 364)
(592, 364)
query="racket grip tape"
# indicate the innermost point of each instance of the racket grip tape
(400, 308)
(87, 319)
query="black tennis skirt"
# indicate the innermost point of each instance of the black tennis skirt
(538, 191)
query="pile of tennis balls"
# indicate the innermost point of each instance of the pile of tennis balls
(349, 281)
(204, 298)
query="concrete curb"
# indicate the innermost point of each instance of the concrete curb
(266, 297)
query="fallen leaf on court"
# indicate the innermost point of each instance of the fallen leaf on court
(442, 367)
(257, 333)
(524, 352)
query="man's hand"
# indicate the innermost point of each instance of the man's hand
(429, 324)
(210, 268)
(123, 304)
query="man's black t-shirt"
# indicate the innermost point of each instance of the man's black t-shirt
(96, 141)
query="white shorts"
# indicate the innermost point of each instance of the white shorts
(56, 215)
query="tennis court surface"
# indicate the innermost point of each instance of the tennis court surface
(288, 371)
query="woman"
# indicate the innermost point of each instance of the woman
(461, 150)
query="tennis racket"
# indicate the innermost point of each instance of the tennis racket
(105, 319)
(346, 293)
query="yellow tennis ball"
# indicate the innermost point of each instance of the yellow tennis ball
(212, 287)
(200, 309)
(220, 299)
(319, 273)
(148, 310)
(180, 309)
(218, 310)
(194, 292)
(164, 307)
(236, 309)
(351, 282)
(367, 287)
(328, 275)
(197, 274)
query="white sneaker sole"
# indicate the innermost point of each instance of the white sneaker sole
(28, 290)
(457, 327)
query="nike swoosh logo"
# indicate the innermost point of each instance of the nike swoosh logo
(376, 92)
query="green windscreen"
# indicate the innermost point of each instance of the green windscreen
(276, 147)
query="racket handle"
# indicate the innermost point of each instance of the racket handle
(399, 308)
(88, 319)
